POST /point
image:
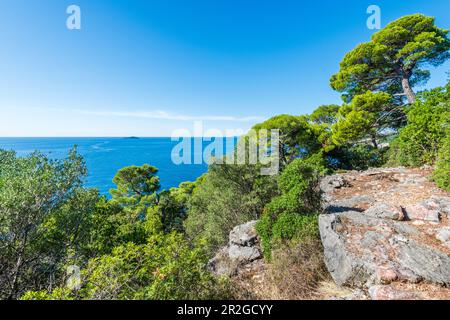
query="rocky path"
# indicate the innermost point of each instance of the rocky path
(386, 233)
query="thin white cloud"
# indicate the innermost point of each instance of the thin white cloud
(162, 115)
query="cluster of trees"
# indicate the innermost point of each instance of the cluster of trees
(129, 247)
(148, 243)
(382, 120)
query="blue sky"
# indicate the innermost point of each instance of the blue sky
(147, 68)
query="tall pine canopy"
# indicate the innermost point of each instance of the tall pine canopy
(395, 59)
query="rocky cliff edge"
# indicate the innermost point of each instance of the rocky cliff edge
(386, 232)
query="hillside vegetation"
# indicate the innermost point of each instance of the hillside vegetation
(148, 243)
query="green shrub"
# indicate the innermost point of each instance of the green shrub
(298, 187)
(57, 294)
(286, 228)
(295, 226)
(403, 152)
(357, 157)
(428, 119)
(291, 216)
(43, 214)
(442, 174)
(264, 230)
(228, 195)
(318, 163)
(168, 267)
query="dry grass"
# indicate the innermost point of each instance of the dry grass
(330, 290)
(295, 273)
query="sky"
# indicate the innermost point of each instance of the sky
(149, 68)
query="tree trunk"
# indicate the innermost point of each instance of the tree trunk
(15, 274)
(13, 290)
(407, 90)
(374, 141)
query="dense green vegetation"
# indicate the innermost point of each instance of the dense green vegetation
(130, 247)
(148, 243)
(421, 139)
(292, 214)
(442, 173)
(228, 195)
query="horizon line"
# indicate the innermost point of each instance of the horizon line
(109, 137)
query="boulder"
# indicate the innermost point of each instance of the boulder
(244, 235)
(361, 250)
(242, 254)
(444, 205)
(385, 211)
(429, 263)
(387, 292)
(330, 183)
(221, 264)
(348, 204)
(345, 268)
(443, 234)
(387, 233)
(242, 250)
(422, 211)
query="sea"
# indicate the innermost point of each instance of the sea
(105, 156)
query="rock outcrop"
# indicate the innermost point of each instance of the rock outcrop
(241, 253)
(387, 232)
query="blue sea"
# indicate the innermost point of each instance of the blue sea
(105, 156)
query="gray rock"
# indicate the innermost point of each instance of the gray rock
(422, 211)
(443, 234)
(387, 292)
(426, 262)
(242, 250)
(244, 235)
(444, 204)
(330, 183)
(349, 204)
(361, 250)
(345, 269)
(243, 255)
(384, 211)
(221, 264)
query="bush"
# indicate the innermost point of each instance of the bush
(166, 268)
(428, 119)
(43, 213)
(298, 187)
(318, 162)
(442, 174)
(286, 228)
(357, 157)
(227, 196)
(294, 226)
(291, 216)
